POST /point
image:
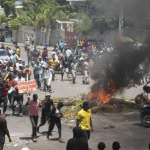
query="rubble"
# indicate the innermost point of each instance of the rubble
(109, 127)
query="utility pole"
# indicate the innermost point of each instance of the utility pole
(121, 18)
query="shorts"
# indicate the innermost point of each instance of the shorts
(65, 70)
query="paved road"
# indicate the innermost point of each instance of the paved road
(127, 127)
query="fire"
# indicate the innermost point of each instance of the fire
(102, 96)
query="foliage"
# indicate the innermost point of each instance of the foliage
(3, 19)
(103, 13)
(9, 7)
(14, 24)
(83, 26)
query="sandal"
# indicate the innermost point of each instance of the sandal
(61, 140)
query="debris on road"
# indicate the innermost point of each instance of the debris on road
(109, 127)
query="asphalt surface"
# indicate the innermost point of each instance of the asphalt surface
(127, 130)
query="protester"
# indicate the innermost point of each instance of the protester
(3, 131)
(101, 146)
(45, 45)
(33, 113)
(53, 63)
(19, 96)
(68, 52)
(84, 120)
(11, 83)
(3, 96)
(64, 69)
(32, 40)
(37, 75)
(44, 54)
(74, 71)
(2, 47)
(116, 145)
(77, 142)
(55, 118)
(61, 46)
(46, 110)
(86, 70)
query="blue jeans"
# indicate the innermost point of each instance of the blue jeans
(2, 142)
(73, 76)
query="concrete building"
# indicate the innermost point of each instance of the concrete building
(2, 11)
(76, 2)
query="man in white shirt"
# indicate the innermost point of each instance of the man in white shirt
(86, 70)
(68, 52)
(19, 64)
(20, 98)
(47, 75)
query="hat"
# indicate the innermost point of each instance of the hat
(40, 57)
(19, 58)
(47, 94)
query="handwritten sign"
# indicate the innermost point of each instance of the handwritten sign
(27, 86)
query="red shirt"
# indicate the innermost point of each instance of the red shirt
(33, 107)
(4, 92)
(11, 83)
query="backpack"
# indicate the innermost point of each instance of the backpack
(44, 54)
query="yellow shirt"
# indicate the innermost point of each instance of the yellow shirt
(84, 119)
(17, 51)
(52, 63)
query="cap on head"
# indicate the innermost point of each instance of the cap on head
(40, 57)
(47, 94)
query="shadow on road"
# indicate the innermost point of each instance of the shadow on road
(137, 124)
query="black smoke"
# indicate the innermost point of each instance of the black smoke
(121, 66)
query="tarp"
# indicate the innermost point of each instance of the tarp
(27, 86)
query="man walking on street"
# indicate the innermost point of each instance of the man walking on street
(37, 67)
(3, 131)
(55, 118)
(33, 113)
(46, 109)
(32, 40)
(85, 121)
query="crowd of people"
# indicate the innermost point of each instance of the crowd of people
(67, 61)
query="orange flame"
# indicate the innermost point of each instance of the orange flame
(102, 96)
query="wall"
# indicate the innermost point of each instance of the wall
(51, 36)
(57, 36)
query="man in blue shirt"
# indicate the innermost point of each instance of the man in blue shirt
(61, 46)
(45, 45)
(37, 67)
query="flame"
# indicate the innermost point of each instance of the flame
(102, 96)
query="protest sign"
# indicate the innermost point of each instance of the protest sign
(27, 86)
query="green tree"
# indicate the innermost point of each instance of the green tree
(83, 26)
(9, 7)
(14, 24)
(3, 19)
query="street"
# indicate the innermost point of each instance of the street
(127, 130)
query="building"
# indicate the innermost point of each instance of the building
(76, 2)
(2, 11)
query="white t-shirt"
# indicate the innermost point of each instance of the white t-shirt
(145, 95)
(17, 79)
(86, 65)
